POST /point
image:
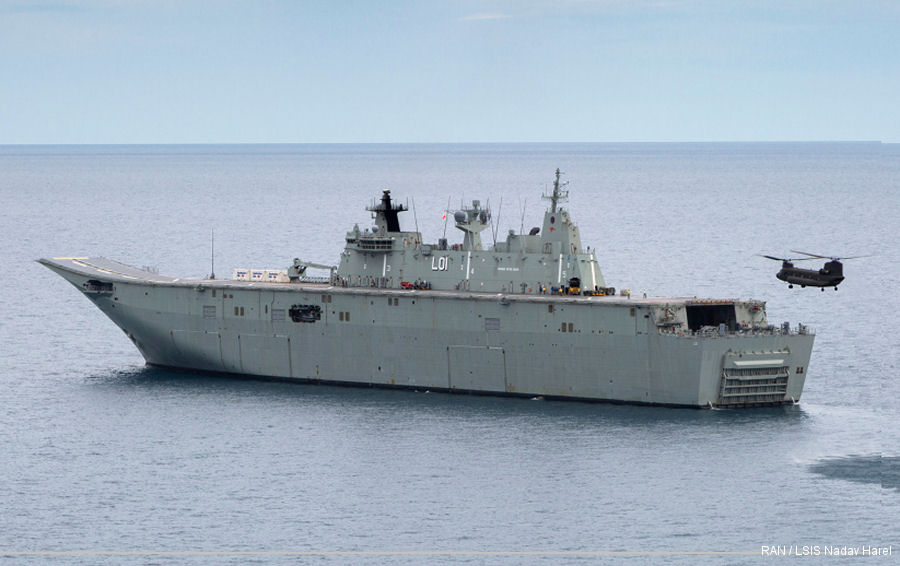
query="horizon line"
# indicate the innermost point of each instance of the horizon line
(225, 143)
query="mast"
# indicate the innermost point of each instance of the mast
(386, 213)
(558, 195)
(472, 221)
(212, 255)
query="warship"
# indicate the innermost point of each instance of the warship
(529, 316)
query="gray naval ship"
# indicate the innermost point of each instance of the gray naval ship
(530, 316)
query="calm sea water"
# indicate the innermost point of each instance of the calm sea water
(100, 455)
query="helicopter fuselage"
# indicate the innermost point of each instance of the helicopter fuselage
(831, 275)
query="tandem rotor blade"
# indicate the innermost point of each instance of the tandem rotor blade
(787, 258)
(811, 255)
(829, 257)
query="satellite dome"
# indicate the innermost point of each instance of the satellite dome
(459, 216)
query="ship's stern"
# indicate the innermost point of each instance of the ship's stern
(754, 370)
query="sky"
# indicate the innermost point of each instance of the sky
(340, 71)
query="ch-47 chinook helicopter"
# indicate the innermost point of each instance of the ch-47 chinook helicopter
(831, 274)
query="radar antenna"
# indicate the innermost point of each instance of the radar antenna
(558, 195)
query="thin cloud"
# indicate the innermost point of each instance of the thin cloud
(483, 16)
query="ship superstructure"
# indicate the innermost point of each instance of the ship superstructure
(530, 316)
(545, 260)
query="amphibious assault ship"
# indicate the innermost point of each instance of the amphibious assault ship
(530, 316)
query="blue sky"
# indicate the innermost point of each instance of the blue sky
(275, 71)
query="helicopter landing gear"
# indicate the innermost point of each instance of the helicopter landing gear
(822, 289)
(835, 288)
(790, 286)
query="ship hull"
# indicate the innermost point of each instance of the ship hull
(584, 348)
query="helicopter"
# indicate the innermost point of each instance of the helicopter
(831, 274)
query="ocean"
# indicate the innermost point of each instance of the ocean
(106, 461)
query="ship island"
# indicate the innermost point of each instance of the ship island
(530, 316)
